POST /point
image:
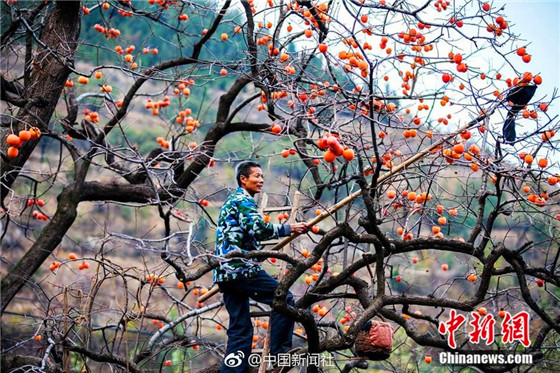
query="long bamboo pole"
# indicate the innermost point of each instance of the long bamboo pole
(281, 273)
(407, 162)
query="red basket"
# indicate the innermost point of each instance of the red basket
(374, 343)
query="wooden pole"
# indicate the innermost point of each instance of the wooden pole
(281, 273)
(407, 162)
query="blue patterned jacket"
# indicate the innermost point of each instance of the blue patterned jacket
(241, 228)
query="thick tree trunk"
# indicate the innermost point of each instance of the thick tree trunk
(59, 39)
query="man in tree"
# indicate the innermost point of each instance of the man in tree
(518, 97)
(241, 228)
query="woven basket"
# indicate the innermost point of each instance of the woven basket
(374, 343)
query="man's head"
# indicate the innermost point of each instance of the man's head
(249, 176)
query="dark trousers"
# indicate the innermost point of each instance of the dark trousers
(240, 332)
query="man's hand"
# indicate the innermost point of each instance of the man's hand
(299, 228)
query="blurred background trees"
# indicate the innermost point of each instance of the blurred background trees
(122, 122)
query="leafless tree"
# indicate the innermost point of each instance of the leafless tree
(121, 123)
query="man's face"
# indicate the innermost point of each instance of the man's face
(254, 183)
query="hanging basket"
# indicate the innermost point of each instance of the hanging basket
(374, 341)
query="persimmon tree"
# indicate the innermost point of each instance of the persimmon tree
(121, 125)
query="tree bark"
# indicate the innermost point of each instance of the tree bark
(51, 67)
(10, 362)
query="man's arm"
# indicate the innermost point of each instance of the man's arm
(299, 228)
(255, 225)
